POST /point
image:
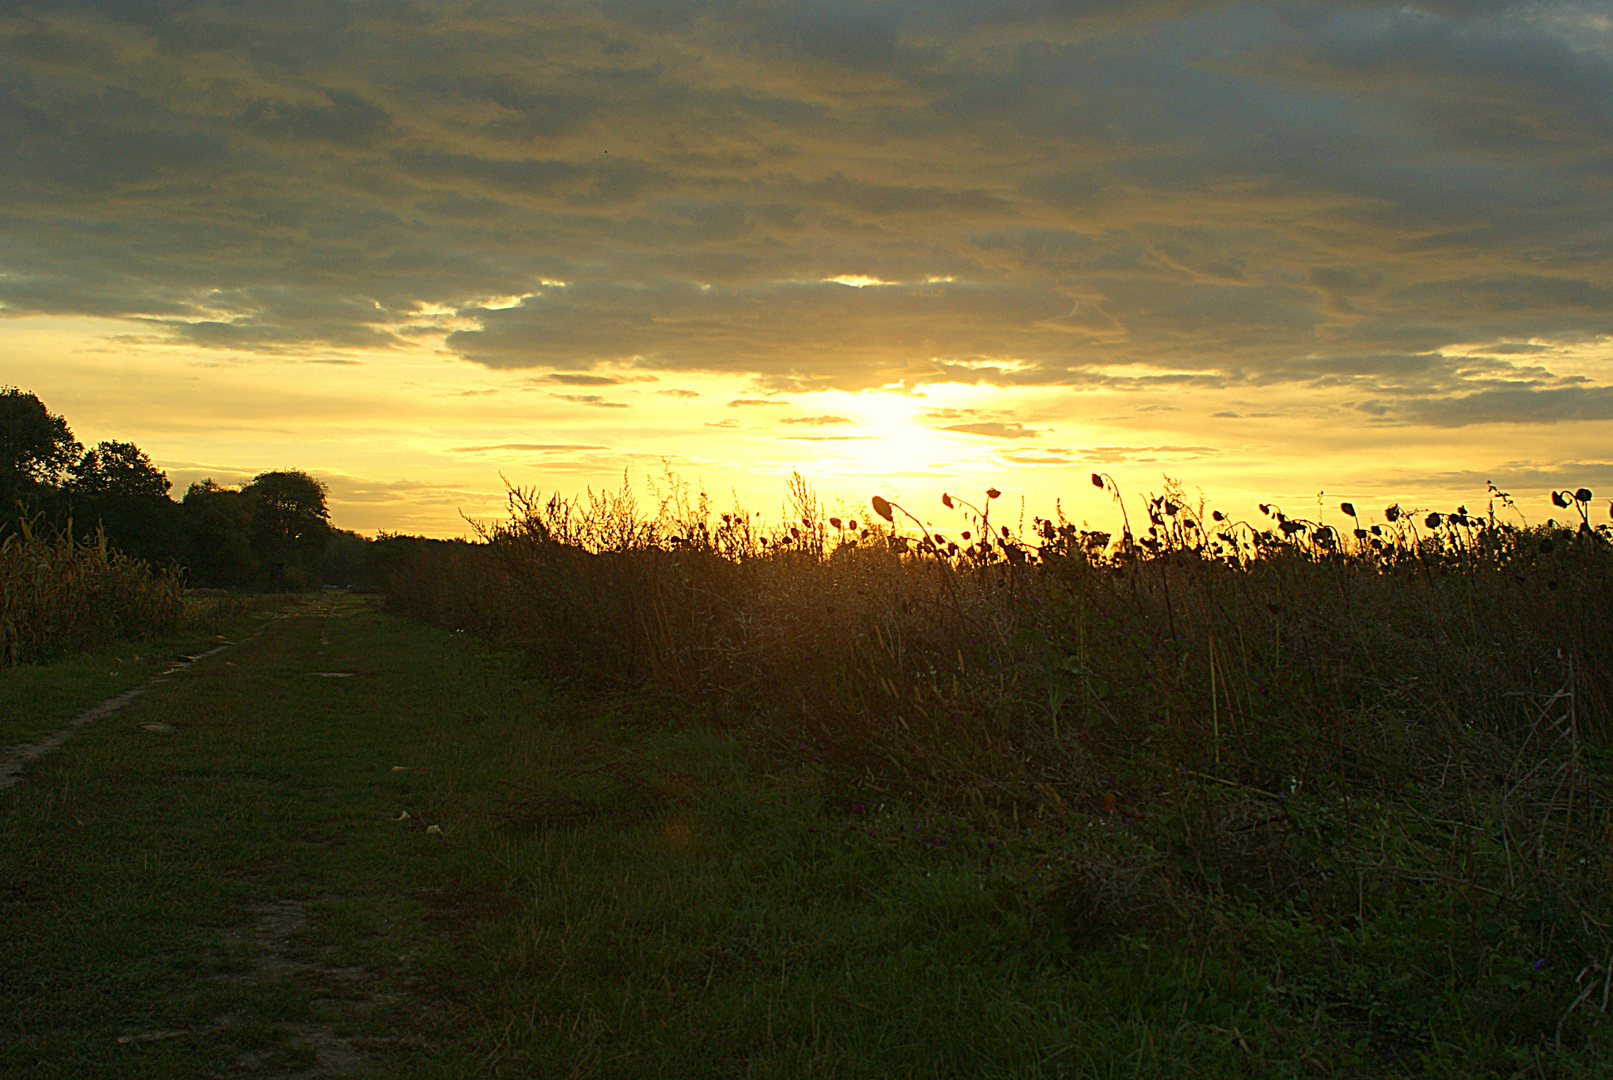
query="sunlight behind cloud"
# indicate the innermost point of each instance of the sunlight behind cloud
(857, 281)
(1271, 246)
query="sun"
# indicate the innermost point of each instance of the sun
(886, 413)
(875, 435)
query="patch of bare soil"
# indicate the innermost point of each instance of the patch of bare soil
(315, 1046)
(316, 1039)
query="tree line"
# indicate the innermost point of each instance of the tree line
(273, 532)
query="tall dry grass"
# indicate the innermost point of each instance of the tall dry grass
(59, 595)
(1282, 711)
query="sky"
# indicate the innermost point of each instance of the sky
(1274, 251)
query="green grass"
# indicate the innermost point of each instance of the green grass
(38, 699)
(596, 890)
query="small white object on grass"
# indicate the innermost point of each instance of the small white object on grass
(435, 830)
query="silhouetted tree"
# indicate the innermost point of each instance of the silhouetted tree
(117, 470)
(275, 529)
(216, 528)
(115, 486)
(289, 518)
(35, 448)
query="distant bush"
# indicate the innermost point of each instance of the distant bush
(59, 594)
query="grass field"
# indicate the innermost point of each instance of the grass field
(358, 845)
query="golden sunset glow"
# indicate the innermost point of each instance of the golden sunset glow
(899, 248)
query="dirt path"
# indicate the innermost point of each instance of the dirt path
(18, 757)
(240, 837)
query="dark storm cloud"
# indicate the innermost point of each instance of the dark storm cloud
(1093, 194)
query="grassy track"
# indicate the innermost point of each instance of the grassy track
(35, 700)
(367, 847)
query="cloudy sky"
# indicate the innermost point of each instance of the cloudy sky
(1269, 249)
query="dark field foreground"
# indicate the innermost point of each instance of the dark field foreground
(358, 845)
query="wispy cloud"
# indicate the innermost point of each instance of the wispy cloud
(995, 429)
(592, 400)
(527, 446)
(576, 379)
